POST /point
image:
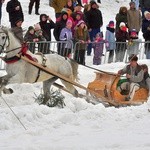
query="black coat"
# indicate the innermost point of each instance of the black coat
(14, 15)
(146, 32)
(46, 28)
(59, 26)
(94, 18)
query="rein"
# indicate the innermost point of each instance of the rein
(12, 50)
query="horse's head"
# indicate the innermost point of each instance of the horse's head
(4, 39)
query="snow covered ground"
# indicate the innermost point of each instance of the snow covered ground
(79, 125)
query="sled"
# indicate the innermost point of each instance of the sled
(105, 84)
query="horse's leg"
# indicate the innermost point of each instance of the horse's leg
(71, 88)
(3, 82)
(46, 88)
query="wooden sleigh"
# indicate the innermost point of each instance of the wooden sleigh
(105, 85)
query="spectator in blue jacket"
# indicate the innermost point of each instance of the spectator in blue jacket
(66, 35)
(110, 40)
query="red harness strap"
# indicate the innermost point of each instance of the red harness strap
(24, 52)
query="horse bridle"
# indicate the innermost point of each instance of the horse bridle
(7, 37)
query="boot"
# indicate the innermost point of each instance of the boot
(37, 11)
(30, 10)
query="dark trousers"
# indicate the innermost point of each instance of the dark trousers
(80, 56)
(92, 36)
(37, 4)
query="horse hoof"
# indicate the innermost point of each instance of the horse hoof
(8, 91)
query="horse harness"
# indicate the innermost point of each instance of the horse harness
(23, 52)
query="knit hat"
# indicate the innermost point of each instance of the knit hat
(133, 57)
(80, 22)
(111, 23)
(122, 24)
(69, 21)
(30, 28)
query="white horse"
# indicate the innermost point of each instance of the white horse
(20, 71)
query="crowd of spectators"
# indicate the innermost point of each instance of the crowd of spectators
(80, 21)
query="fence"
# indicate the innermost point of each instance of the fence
(104, 52)
(100, 51)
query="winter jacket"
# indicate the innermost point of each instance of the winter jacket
(146, 32)
(66, 35)
(60, 24)
(14, 14)
(94, 18)
(46, 28)
(134, 19)
(110, 39)
(122, 36)
(98, 46)
(133, 48)
(29, 37)
(85, 37)
(137, 74)
(121, 17)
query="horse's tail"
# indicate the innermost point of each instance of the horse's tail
(74, 66)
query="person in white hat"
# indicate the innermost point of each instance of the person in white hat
(121, 38)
